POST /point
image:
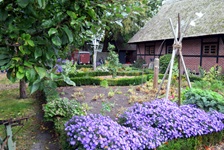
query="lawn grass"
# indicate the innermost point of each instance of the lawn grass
(13, 108)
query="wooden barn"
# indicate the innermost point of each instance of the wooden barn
(203, 43)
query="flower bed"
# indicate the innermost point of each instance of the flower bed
(143, 126)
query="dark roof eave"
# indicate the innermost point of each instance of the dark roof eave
(168, 38)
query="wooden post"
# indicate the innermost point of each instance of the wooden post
(156, 73)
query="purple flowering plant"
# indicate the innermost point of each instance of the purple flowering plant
(142, 126)
(100, 132)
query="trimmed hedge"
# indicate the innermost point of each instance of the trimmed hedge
(112, 82)
(193, 143)
(89, 74)
(100, 73)
(84, 66)
(127, 81)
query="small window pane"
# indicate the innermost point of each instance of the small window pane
(169, 49)
(150, 50)
(206, 49)
(210, 49)
(213, 49)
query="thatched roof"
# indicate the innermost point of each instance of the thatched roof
(158, 28)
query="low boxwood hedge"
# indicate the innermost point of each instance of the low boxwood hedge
(136, 80)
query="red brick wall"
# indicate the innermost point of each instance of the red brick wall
(191, 49)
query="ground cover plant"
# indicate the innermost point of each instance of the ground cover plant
(204, 99)
(143, 126)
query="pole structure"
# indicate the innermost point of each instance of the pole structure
(179, 64)
(156, 73)
(170, 73)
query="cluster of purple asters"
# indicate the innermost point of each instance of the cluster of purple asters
(58, 66)
(143, 126)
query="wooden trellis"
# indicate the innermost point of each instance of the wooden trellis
(177, 49)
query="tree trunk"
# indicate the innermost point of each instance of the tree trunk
(22, 89)
(107, 39)
(105, 44)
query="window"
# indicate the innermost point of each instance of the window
(169, 49)
(210, 49)
(150, 50)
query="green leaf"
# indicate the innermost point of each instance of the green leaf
(3, 56)
(21, 69)
(68, 80)
(68, 33)
(52, 31)
(23, 3)
(42, 3)
(56, 41)
(30, 42)
(30, 74)
(72, 14)
(22, 50)
(47, 23)
(102, 6)
(16, 58)
(19, 75)
(92, 13)
(34, 88)
(4, 62)
(119, 23)
(41, 71)
(3, 15)
(128, 9)
(37, 53)
(25, 36)
(28, 64)
(11, 75)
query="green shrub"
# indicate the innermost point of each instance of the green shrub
(89, 74)
(129, 73)
(104, 83)
(62, 107)
(194, 78)
(204, 99)
(113, 81)
(127, 81)
(164, 62)
(214, 73)
(84, 66)
(113, 63)
(193, 143)
(139, 62)
(87, 81)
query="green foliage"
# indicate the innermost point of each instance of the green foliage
(106, 107)
(137, 80)
(193, 143)
(204, 99)
(68, 68)
(139, 62)
(89, 74)
(164, 62)
(50, 90)
(104, 83)
(35, 33)
(84, 66)
(62, 107)
(111, 93)
(113, 63)
(194, 78)
(213, 74)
